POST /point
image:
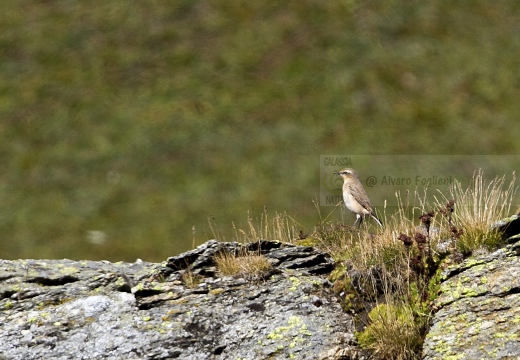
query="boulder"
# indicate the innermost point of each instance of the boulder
(478, 309)
(65, 309)
(509, 227)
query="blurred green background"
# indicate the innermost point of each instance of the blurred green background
(126, 125)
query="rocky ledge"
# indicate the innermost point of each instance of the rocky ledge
(478, 307)
(64, 309)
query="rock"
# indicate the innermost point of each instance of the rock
(509, 226)
(64, 309)
(478, 314)
(285, 256)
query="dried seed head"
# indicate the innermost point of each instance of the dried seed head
(407, 241)
(420, 238)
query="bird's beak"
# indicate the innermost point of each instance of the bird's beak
(336, 173)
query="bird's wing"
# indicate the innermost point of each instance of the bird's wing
(361, 197)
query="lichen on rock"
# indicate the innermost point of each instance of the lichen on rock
(63, 309)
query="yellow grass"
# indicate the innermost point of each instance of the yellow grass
(382, 261)
(249, 265)
(279, 227)
(478, 207)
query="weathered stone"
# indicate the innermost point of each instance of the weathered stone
(510, 227)
(63, 309)
(478, 313)
(307, 258)
(286, 256)
(202, 256)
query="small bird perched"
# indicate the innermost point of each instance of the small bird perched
(355, 197)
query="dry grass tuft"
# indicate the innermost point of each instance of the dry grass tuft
(281, 227)
(190, 279)
(379, 257)
(478, 207)
(249, 265)
(482, 203)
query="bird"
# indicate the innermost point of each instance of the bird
(355, 196)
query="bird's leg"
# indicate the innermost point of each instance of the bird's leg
(358, 218)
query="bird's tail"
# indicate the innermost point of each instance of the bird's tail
(373, 215)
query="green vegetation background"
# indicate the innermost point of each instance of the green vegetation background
(142, 119)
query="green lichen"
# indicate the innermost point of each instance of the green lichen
(444, 349)
(316, 282)
(68, 270)
(295, 323)
(139, 287)
(295, 283)
(277, 334)
(309, 241)
(469, 292)
(472, 262)
(506, 336)
(158, 287)
(120, 282)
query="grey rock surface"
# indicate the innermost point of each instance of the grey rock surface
(510, 227)
(478, 313)
(64, 309)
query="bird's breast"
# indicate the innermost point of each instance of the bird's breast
(352, 204)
